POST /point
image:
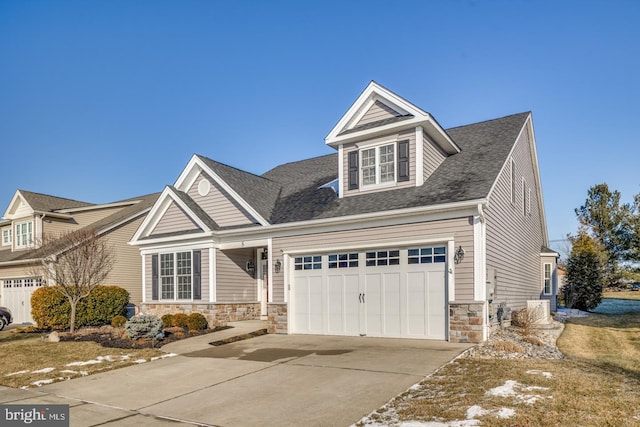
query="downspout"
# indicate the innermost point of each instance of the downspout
(483, 222)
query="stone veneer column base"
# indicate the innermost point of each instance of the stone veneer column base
(277, 318)
(466, 322)
(216, 314)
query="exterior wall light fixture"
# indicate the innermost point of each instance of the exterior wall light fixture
(459, 255)
(277, 265)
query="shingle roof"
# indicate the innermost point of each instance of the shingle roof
(259, 192)
(468, 175)
(46, 203)
(129, 212)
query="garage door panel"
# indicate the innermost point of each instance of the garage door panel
(372, 291)
(391, 305)
(308, 309)
(436, 301)
(342, 304)
(416, 304)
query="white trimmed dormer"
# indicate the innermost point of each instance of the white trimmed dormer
(385, 142)
(25, 226)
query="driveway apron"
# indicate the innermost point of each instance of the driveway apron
(269, 380)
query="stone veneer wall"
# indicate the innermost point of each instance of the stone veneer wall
(277, 318)
(466, 321)
(216, 314)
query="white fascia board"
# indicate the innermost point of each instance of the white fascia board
(536, 172)
(549, 254)
(383, 218)
(342, 183)
(179, 246)
(376, 131)
(44, 214)
(256, 243)
(433, 238)
(15, 199)
(104, 206)
(443, 139)
(419, 156)
(187, 178)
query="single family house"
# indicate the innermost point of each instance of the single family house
(408, 230)
(31, 218)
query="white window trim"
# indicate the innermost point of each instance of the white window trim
(18, 235)
(175, 276)
(524, 197)
(512, 183)
(529, 202)
(376, 147)
(544, 278)
(5, 232)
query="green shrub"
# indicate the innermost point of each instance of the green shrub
(167, 320)
(118, 321)
(50, 308)
(180, 320)
(197, 322)
(144, 326)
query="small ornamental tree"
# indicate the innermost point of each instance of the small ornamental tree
(584, 274)
(76, 261)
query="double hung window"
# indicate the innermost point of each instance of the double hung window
(176, 269)
(378, 165)
(547, 279)
(24, 234)
(6, 237)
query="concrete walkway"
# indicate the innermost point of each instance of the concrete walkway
(265, 381)
(202, 342)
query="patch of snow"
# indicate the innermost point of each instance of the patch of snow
(87, 362)
(476, 411)
(69, 371)
(140, 361)
(506, 413)
(539, 372)
(509, 390)
(43, 371)
(164, 356)
(17, 373)
(41, 382)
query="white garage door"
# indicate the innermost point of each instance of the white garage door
(380, 293)
(16, 295)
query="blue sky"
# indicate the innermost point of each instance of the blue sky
(105, 100)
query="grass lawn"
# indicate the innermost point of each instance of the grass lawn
(29, 361)
(598, 384)
(622, 295)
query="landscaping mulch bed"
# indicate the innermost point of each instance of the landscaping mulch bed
(110, 337)
(239, 338)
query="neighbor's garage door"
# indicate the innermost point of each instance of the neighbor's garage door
(16, 295)
(381, 293)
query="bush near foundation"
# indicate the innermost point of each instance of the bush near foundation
(197, 322)
(50, 308)
(167, 320)
(144, 326)
(180, 320)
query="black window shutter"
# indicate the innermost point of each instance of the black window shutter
(403, 161)
(154, 277)
(196, 275)
(353, 170)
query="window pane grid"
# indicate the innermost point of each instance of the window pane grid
(427, 255)
(310, 262)
(382, 257)
(343, 260)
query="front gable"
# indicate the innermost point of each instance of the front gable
(18, 208)
(174, 219)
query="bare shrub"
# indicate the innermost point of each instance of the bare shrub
(533, 340)
(524, 319)
(507, 346)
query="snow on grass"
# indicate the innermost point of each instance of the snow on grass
(164, 356)
(138, 361)
(510, 389)
(17, 373)
(100, 359)
(40, 383)
(43, 371)
(69, 371)
(539, 372)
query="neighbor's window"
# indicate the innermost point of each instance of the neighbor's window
(24, 234)
(6, 236)
(378, 164)
(176, 268)
(547, 279)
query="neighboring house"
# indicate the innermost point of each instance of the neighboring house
(409, 230)
(32, 216)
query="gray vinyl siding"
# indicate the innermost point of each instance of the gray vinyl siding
(174, 219)
(233, 283)
(409, 135)
(219, 205)
(433, 156)
(57, 226)
(148, 277)
(461, 229)
(378, 111)
(127, 270)
(514, 240)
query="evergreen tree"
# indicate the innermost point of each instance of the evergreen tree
(584, 273)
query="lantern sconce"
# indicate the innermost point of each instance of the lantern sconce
(277, 265)
(459, 255)
(250, 266)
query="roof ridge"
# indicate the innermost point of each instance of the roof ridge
(232, 167)
(489, 120)
(21, 190)
(300, 161)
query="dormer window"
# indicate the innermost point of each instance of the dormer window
(24, 234)
(380, 165)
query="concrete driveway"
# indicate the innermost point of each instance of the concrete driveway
(268, 380)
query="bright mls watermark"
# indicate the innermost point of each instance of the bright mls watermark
(34, 415)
